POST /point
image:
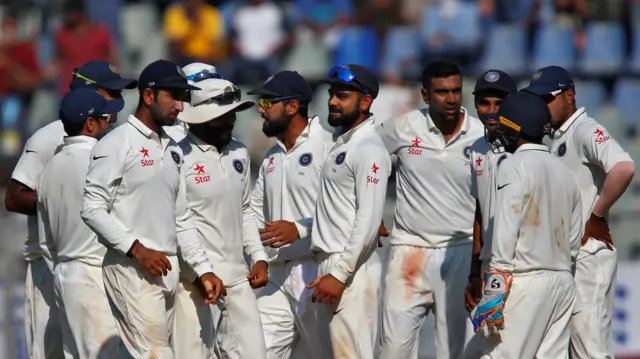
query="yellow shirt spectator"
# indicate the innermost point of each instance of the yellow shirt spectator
(199, 37)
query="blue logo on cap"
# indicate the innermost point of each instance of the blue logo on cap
(340, 158)
(492, 76)
(305, 159)
(176, 157)
(467, 152)
(562, 149)
(238, 166)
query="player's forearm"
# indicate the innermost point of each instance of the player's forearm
(250, 238)
(20, 199)
(476, 263)
(192, 253)
(96, 216)
(615, 184)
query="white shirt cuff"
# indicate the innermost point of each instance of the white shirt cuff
(203, 268)
(259, 256)
(340, 274)
(303, 231)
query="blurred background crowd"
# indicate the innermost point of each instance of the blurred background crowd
(42, 41)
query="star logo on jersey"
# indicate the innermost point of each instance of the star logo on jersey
(271, 159)
(479, 161)
(201, 176)
(413, 150)
(601, 137)
(271, 166)
(373, 179)
(143, 162)
(479, 171)
(374, 168)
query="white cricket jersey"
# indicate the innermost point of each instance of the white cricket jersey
(434, 207)
(350, 205)
(288, 185)
(60, 192)
(588, 149)
(135, 189)
(38, 150)
(219, 190)
(484, 172)
(538, 223)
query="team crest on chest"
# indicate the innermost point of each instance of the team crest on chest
(176, 157)
(562, 149)
(467, 152)
(340, 158)
(238, 166)
(305, 159)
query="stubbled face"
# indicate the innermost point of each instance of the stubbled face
(559, 106)
(218, 131)
(444, 97)
(276, 119)
(488, 102)
(166, 106)
(345, 106)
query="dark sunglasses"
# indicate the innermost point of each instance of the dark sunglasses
(344, 74)
(204, 75)
(226, 98)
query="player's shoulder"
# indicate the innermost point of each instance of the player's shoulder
(48, 136)
(480, 146)
(318, 134)
(476, 127)
(238, 148)
(403, 121)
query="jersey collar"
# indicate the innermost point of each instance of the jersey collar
(79, 140)
(146, 131)
(463, 129)
(203, 146)
(565, 126)
(532, 147)
(344, 138)
(312, 123)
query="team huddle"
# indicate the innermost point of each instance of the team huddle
(150, 241)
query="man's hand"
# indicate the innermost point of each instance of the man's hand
(258, 277)
(211, 287)
(328, 290)
(152, 261)
(382, 232)
(473, 293)
(279, 233)
(487, 316)
(598, 229)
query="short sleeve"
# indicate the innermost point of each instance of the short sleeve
(600, 148)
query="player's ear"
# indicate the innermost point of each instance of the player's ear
(425, 95)
(292, 108)
(148, 96)
(570, 97)
(365, 102)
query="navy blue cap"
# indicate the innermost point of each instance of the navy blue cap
(79, 104)
(526, 111)
(163, 74)
(496, 80)
(100, 73)
(550, 80)
(285, 84)
(355, 76)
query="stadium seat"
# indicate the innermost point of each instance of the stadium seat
(591, 95)
(505, 50)
(604, 49)
(460, 22)
(401, 50)
(626, 99)
(357, 45)
(553, 45)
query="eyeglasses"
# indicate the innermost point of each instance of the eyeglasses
(102, 116)
(204, 75)
(226, 98)
(267, 103)
(344, 74)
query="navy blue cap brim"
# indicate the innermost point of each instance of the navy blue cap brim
(113, 106)
(119, 84)
(263, 92)
(539, 90)
(180, 84)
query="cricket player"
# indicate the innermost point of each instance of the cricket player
(604, 171)
(349, 210)
(284, 201)
(88, 328)
(41, 316)
(431, 240)
(528, 289)
(218, 187)
(491, 88)
(135, 200)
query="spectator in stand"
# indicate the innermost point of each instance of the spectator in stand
(78, 41)
(323, 16)
(196, 33)
(379, 14)
(260, 37)
(19, 77)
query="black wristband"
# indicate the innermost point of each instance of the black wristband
(476, 265)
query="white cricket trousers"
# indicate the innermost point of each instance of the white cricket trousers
(42, 325)
(237, 324)
(88, 328)
(349, 328)
(536, 313)
(289, 330)
(591, 324)
(142, 305)
(421, 280)
(193, 336)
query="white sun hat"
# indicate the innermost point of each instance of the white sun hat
(215, 98)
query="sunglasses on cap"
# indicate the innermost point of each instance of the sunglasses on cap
(344, 74)
(101, 116)
(76, 74)
(204, 75)
(267, 103)
(226, 98)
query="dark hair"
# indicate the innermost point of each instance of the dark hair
(303, 109)
(72, 129)
(439, 69)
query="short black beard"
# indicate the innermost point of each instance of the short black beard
(157, 117)
(346, 120)
(271, 129)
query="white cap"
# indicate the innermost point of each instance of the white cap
(195, 67)
(203, 105)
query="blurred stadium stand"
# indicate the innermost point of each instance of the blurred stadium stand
(598, 40)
